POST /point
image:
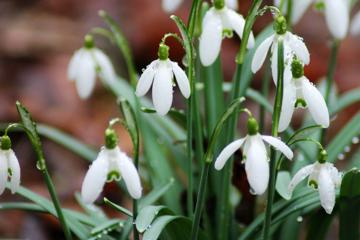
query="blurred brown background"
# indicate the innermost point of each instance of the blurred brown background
(38, 38)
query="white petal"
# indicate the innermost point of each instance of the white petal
(162, 91)
(260, 54)
(299, 176)
(130, 176)
(316, 103)
(15, 169)
(170, 6)
(326, 190)
(146, 79)
(237, 23)
(287, 107)
(335, 175)
(298, 46)
(355, 25)
(85, 81)
(181, 79)
(74, 64)
(337, 17)
(107, 72)
(274, 62)
(95, 178)
(210, 39)
(279, 145)
(233, 4)
(3, 170)
(256, 165)
(298, 9)
(227, 152)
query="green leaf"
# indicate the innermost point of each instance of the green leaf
(118, 207)
(303, 133)
(108, 226)
(158, 226)
(345, 100)
(282, 182)
(21, 206)
(155, 194)
(350, 206)
(95, 212)
(319, 224)
(148, 214)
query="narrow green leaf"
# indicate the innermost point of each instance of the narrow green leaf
(155, 194)
(345, 100)
(158, 226)
(282, 182)
(107, 227)
(21, 206)
(303, 133)
(118, 207)
(319, 224)
(148, 214)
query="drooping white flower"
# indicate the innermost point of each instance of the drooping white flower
(322, 176)
(111, 164)
(218, 22)
(170, 6)
(300, 92)
(159, 74)
(86, 64)
(9, 166)
(336, 14)
(355, 24)
(255, 156)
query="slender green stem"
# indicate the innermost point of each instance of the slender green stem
(135, 202)
(289, 12)
(265, 93)
(274, 132)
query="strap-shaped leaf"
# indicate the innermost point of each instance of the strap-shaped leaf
(147, 215)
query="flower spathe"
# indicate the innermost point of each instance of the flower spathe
(322, 176)
(170, 6)
(255, 157)
(110, 164)
(216, 22)
(159, 74)
(9, 169)
(85, 65)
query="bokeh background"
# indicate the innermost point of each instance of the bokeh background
(38, 38)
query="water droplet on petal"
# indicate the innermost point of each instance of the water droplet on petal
(299, 219)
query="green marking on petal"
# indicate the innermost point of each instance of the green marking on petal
(113, 176)
(300, 103)
(313, 184)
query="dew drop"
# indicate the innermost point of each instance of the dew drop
(355, 140)
(185, 61)
(341, 156)
(143, 70)
(38, 165)
(148, 227)
(299, 219)
(252, 191)
(347, 149)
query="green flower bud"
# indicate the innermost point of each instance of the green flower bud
(280, 25)
(322, 156)
(111, 139)
(89, 42)
(297, 68)
(163, 52)
(5, 142)
(219, 4)
(252, 126)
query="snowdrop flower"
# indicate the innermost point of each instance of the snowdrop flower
(111, 164)
(293, 45)
(160, 74)
(219, 21)
(336, 14)
(324, 177)
(355, 25)
(170, 6)
(85, 64)
(255, 156)
(9, 166)
(299, 92)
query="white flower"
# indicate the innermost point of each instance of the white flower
(160, 73)
(293, 45)
(255, 157)
(85, 64)
(216, 22)
(233, 4)
(301, 92)
(170, 6)
(110, 164)
(322, 176)
(355, 25)
(9, 168)
(336, 14)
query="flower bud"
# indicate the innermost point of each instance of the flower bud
(111, 139)
(297, 68)
(280, 25)
(163, 52)
(252, 126)
(5, 142)
(219, 4)
(89, 42)
(322, 156)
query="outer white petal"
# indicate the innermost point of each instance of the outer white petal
(95, 178)
(355, 25)
(298, 9)
(299, 176)
(297, 45)
(237, 23)
(74, 64)
(336, 176)
(256, 165)
(162, 91)
(288, 106)
(227, 152)
(337, 17)
(146, 79)
(107, 72)
(315, 103)
(3, 171)
(274, 62)
(326, 190)
(210, 39)
(279, 145)
(15, 169)
(86, 76)
(181, 79)
(260, 54)
(130, 176)
(233, 4)
(170, 6)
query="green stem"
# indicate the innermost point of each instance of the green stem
(274, 132)
(135, 202)
(265, 93)
(289, 12)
